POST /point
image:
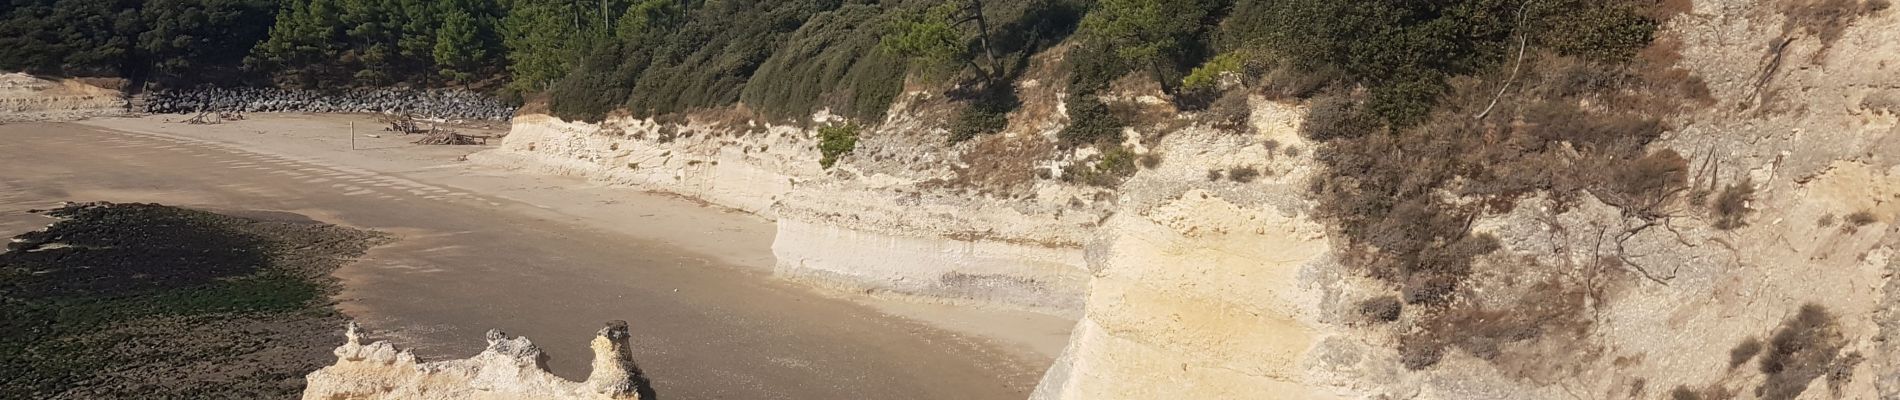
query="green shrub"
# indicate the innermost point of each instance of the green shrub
(1403, 52)
(1609, 31)
(706, 57)
(1163, 37)
(1107, 169)
(1090, 122)
(597, 87)
(1209, 75)
(831, 62)
(836, 141)
(985, 114)
(1092, 66)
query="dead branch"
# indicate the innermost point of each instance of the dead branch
(1779, 52)
(1523, 43)
(206, 118)
(450, 138)
(405, 124)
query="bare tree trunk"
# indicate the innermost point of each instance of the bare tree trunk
(1154, 67)
(983, 34)
(987, 76)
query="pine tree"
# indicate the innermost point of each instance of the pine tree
(458, 48)
(540, 39)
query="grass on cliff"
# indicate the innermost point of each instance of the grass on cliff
(148, 301)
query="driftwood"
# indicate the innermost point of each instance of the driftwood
(450, 137)
(405, 124)
(210, 118)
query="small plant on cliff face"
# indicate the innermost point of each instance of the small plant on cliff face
(1381, 309)
(836, 141)
(1243, 174)
(1858, 219)
(1108, 169)
(1230, 112)
(1731, 207)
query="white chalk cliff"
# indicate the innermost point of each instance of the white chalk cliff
(1192, 288)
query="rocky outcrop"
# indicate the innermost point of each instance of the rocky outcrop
(510, 368)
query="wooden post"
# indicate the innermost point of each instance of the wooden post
(352, 135)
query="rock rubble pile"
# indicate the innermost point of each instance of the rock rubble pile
(436, 104)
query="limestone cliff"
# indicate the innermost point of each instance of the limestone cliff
(900, 216)
(1218, 294)
(1767, 277)
(27, 98)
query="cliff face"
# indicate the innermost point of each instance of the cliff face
(1766, 277)
(1205, 288)
(903, 215)
(26, 98)
(868, 225)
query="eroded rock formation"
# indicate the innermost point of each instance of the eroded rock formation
(510, 368)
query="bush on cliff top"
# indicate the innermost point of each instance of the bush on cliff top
(836, 141)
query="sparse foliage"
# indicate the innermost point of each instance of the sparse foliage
(1209, 75)
(1107, 169)
(836, 141)
(1230, 112)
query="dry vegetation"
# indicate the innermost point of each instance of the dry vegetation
(1002, 164)
(1107, 169)
(1731, 207)
(1557, 110)
(1807, 346)
(1825, 19)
